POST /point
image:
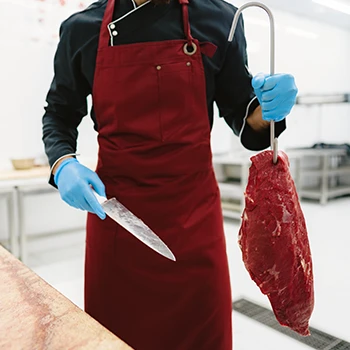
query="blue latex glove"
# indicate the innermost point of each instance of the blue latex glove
(276, 94)
(73, 181)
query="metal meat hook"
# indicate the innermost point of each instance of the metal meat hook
(273, 139)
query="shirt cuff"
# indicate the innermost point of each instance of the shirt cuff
(257, 140)
(51, 178)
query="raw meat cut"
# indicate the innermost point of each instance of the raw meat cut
(274, 241)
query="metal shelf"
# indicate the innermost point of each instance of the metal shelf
(232, 195)
(323, 99)
(316, 193)
(343, 170)
(332, 167)
(232, 173)
(231, 214)
(231, 189)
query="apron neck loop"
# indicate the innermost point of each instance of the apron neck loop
(186, 21)
(105, 36)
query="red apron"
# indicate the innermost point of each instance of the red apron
(155, 157)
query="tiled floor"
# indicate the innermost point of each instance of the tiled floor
(60, 261)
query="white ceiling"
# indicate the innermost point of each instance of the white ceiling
(312, 10)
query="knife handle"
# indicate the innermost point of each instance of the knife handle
(99, 198)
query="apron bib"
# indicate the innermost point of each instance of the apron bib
(155, 158)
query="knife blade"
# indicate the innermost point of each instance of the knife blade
(125, 218)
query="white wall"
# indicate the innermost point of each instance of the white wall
(28, 36)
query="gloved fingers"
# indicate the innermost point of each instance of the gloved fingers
(67, 198)
(97, 184)
(279, 119)
(259, 80)
(266, 82)
(271, 105)
(88, 207)
(270, 82)
(73, 202)
(77, 205)
(76, 197)
(99, 187)
(269, 116)
(85, 205)
(93, 204)
(284, 83)
(276, 115)
(268, 96)
(277, 109)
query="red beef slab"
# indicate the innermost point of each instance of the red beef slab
(274, 241)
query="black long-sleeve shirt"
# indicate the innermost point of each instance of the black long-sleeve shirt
(228, 81)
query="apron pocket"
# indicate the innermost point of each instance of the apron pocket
(175, 91)
(132, 119)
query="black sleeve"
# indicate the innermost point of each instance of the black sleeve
(66, 99)
(234, 93)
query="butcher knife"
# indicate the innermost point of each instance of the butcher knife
(125, 218)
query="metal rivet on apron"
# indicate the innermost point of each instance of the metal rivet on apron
(112, 26)
(114, 33)
(159, 67)
(188, 64)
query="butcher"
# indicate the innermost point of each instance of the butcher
(154, 70)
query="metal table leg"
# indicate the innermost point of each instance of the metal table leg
(297, 179)
(23, 252)
(21, 192)
(13, 222)
(324, 180)
(9, 195)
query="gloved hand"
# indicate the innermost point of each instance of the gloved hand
(276, 94)
(73, 181)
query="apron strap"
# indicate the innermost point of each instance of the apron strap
(105, 35)
(186, 21)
